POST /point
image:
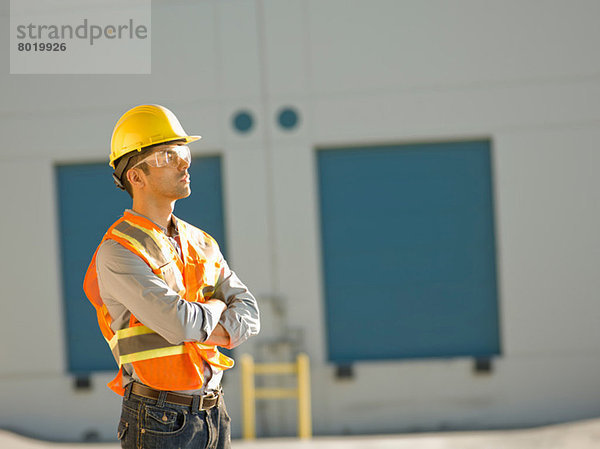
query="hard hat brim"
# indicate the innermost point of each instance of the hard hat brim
(189, 139)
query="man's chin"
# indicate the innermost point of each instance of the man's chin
(187, 192)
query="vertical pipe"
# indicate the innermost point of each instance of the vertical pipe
(248, 398)
(304, 412)
(268, 145)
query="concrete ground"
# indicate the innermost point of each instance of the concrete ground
(579, 435)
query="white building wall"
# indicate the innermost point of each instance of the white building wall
(524, 74)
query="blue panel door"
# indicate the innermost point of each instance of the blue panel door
(408, 251)
(88, 204)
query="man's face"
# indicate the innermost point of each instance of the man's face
(171, 181)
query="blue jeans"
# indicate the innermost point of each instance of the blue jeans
(147, 424)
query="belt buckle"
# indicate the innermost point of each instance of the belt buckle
(214, 396)
(197, 403)
(198, 400)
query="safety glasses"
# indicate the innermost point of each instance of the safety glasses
(168, 157)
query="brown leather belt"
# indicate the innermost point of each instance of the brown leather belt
(205, 402)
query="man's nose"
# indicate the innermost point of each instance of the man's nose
(183, 164)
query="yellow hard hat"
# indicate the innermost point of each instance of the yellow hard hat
(145, 125)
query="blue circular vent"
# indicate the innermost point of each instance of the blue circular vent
(288, 118)
(242, 121)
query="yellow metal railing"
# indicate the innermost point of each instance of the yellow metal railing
(250, 393)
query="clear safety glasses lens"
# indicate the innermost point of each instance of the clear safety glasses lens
(171, 156)
(168, 157)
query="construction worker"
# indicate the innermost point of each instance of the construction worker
(165, 298)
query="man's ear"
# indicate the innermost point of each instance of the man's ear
(135, 178)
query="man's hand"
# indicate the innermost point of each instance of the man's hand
(219, 337)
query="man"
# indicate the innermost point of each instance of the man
(164, 295)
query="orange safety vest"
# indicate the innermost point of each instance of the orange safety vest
(158, 363)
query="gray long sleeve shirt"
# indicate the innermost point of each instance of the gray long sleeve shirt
(127, 285)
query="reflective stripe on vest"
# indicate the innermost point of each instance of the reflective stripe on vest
(138, 343)
(160, 258)
(144, 240)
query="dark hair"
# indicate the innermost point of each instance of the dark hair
(129, 162)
